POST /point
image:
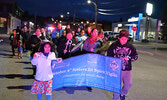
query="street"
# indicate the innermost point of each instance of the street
(149, 78)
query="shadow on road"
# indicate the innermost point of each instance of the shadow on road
(24, 87)
(13, 76)
(28, 68)
(5, 50)
(71, 90)
(7, 55)
(24, 62)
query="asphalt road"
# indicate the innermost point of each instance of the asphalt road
(149, 79)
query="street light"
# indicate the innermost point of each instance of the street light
(95, 3)
(149, 9)
(68, 13)
(61, 16)
(89, 1)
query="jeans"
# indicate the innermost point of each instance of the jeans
(126, 78)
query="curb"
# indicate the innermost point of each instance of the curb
(145, 52)
(151, 54)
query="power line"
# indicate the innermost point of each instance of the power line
(116, 9)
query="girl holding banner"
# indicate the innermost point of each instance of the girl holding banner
(43, 78)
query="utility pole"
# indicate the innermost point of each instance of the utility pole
(95, 4)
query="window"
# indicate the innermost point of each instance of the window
(3, 22)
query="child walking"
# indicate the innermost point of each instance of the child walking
(20, 49)
(127, 52)
(43, 78)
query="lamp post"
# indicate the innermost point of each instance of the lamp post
(149, 9)
(95, 3)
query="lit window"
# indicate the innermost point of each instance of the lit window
(2, 21)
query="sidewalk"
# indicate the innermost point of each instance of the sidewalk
(153, 49)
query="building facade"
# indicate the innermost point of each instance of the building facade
(10, 16)
(150, 30)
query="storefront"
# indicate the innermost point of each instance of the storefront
(140, 24)
(3, 25)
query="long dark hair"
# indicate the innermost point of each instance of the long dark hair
(43, 43)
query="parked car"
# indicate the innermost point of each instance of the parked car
(111, 35)
(106, 33)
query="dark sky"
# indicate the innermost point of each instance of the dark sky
(80, 9)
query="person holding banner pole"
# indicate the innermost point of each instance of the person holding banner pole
(91, 44)
(43, 78)
(127, 52)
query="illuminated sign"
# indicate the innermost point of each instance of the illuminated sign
(133, 19)
(149, 9)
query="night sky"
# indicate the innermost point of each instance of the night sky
(81, 9)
